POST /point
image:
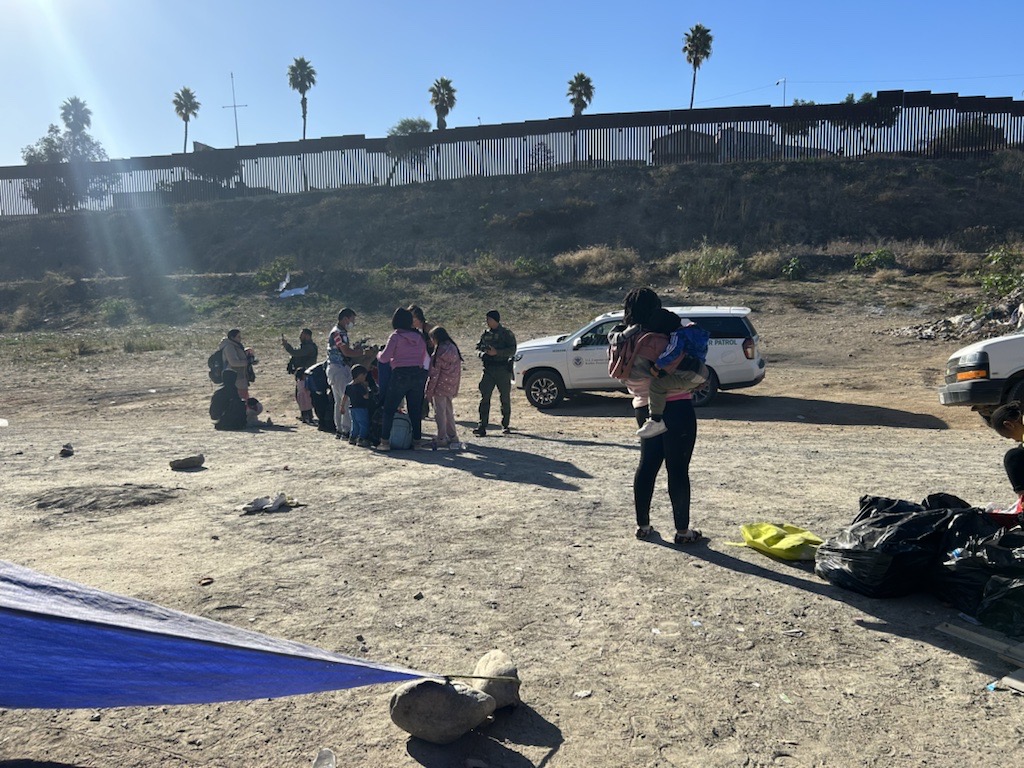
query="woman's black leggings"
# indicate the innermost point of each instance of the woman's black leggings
(673, 449)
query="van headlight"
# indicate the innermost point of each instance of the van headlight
(968, 368)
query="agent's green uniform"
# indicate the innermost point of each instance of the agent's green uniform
(497, 373)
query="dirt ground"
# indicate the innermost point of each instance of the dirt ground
(631, 653)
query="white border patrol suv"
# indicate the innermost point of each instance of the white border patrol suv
(548, 369)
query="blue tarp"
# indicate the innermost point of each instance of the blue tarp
(64, 646)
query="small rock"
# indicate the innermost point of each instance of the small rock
(325, 759)
(439, 712)
(67, 450)
(497, 663)
(583, 694)
(418, 596)
(189, 462)
(94, 717)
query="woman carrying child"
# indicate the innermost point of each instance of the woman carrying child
(443, 385)
(673, 447)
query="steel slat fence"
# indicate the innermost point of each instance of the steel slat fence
(902, 123)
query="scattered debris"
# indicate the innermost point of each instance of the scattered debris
(67, 450)
(325, 759)
(1006, 316)
(206, 581)
(583, 694)
(264, 504)
(4, 423)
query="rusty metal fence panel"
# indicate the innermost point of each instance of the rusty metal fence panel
(900, 123)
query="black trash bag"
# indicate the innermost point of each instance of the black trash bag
(959, 579)
(1002, 607)
(890, 549)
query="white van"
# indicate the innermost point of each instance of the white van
(986, 374)
(549, 368)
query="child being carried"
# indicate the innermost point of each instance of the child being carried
(680, 368)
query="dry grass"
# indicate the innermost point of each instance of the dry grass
(603, 266)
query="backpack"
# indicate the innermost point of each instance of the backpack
(215, 363)
(401, 432)
(622, 349)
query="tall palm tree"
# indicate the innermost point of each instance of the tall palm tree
(75, 115)
(697, 47)
(302, 77)
(580, 93)
(442, 99)
(186, 106)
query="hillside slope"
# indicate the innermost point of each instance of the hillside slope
(654, 210)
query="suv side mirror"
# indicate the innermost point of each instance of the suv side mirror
(577, 343)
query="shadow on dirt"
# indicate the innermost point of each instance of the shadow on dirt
(522, 725)
(729, 406)
(809, 411)
(489, 462)
(914, 617)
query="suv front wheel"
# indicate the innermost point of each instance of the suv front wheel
(544, 389)
(706, 394)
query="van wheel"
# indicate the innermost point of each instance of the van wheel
(706, 394)
(544, 389)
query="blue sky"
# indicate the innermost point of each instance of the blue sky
(509, 62)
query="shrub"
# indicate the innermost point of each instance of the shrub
(601, 265)
(25, 318)
(525, 266)
(115, 311)
(710, 265)
(794, 269)
(1002, 272)
(883, 258)
(270, 275)
(452, 279)
(768, 264)
(135, 344)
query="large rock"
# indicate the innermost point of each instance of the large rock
(497, 663)
(439, 712)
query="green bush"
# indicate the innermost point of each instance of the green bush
(794, 269)
(1003, 272)
(452, 279)
(883, 258)
(270, 275)
(115, 311)
(711, 265)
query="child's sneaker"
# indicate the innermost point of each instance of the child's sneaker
(352, 439)
(651, 428)
(362, 442)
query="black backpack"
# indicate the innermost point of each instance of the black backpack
(216, 364)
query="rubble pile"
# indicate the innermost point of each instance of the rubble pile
(1006, 316)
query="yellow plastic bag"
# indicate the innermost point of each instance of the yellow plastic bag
(786, 542)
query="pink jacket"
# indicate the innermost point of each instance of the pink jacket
(649, 348)
(405, 349)
(445, 372)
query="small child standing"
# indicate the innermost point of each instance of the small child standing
(443, 385)
(303, 397)
(357, 401)
(680, 368)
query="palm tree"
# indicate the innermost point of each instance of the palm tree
(302, 77)
(697, 47)
(186, 106)
(580, 93)
(442, 99)
(75, 115)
